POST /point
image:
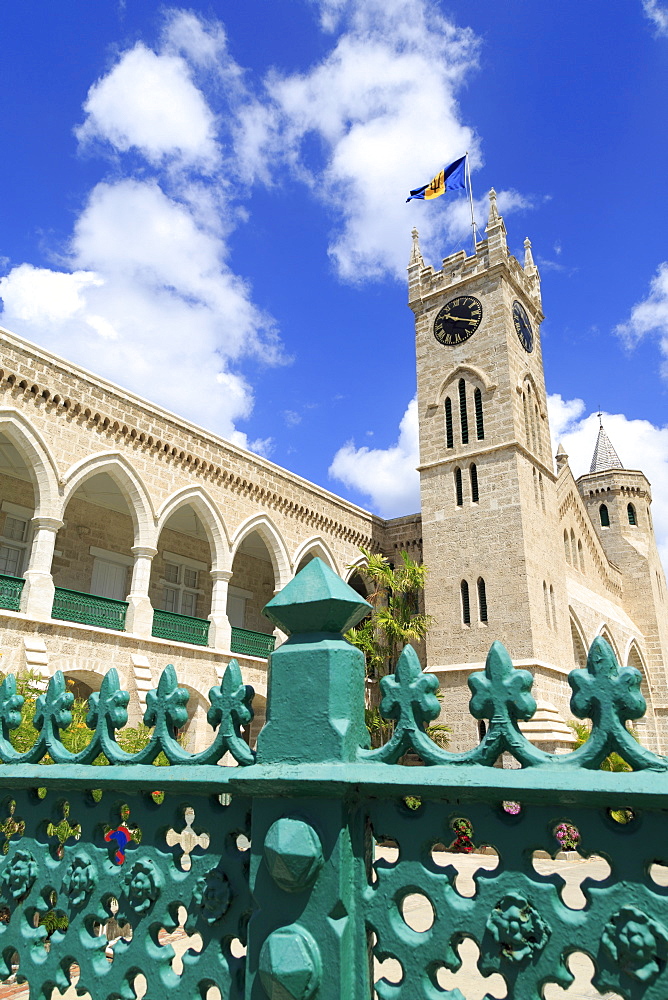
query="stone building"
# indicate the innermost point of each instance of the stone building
(519, 550)
(132, 538)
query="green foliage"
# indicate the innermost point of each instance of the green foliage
(77, 736)
(611, 763)
(395, 619)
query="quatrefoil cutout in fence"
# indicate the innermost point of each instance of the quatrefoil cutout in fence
(187, 839)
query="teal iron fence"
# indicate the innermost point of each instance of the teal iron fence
(10, 592)
(180, 628)
(272, 861)
(88, 609)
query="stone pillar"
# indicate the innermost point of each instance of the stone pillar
(139, 618)
(38, 590)
(220, 630)
(279, 636)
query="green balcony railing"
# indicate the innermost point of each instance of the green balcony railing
(251, 643)
(10, 592)
(180, 628)
(88, 609)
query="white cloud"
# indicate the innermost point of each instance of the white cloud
(382, 104)
(639, 444)
(658, 14)
(148, 101)
(145, 294)
(151, 304)
(387, 476)
(650, 316)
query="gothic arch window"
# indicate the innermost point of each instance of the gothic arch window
(604, 516)
(473, 472)
(449, 438)
(581, 557)
(579, 651)
(536, 445)
(527, 425)
(459, 490)
(466, 604)
(463, 413)
(482, 600)
(631, 511)
(567, 547)
(574, 549)
(553, 608)
(479, 418)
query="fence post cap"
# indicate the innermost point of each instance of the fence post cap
(316, 600)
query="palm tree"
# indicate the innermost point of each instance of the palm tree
(395, 620)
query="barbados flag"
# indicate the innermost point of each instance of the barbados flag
(452, 178)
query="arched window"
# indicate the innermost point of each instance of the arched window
(482, 600)
(631, 511)
(466, 606)
(574, 549)
(479, 421)
(535, 486)
(604, 516)
(527, 426)
(567, 547)
(463, 414)
(459, 492)
(547, 603)
(542, 490)
(553, 608)
(473, 471)
(536, 445)
(449, 440)
(581, 556)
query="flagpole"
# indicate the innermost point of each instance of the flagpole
(473, 226)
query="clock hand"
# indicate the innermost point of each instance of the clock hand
(459, 319)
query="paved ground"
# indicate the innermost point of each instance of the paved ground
(418, 914)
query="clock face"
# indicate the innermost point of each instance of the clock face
(523, 326)
(458, 320)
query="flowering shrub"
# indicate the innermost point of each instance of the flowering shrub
(568, 836)
(462, 844)
(514, 808)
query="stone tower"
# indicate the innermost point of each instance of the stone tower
(618, 503)
(489, 510)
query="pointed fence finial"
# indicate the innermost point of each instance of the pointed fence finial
(416, 255)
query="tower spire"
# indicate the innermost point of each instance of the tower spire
(496, 232)
(416, 256)
(605, 456)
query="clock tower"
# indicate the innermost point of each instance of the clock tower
(487, 479)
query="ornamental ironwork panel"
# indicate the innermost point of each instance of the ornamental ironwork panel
(290, 874)
(180, 628)
(89, 609)
(249, 643)
(10, 592)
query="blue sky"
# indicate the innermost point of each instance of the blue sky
(207, 205)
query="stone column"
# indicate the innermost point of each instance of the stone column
(220, 630)
(279, 636)
(38, 590)
(139, 618)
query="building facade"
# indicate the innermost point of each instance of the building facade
(518, 550)
(132, 538)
